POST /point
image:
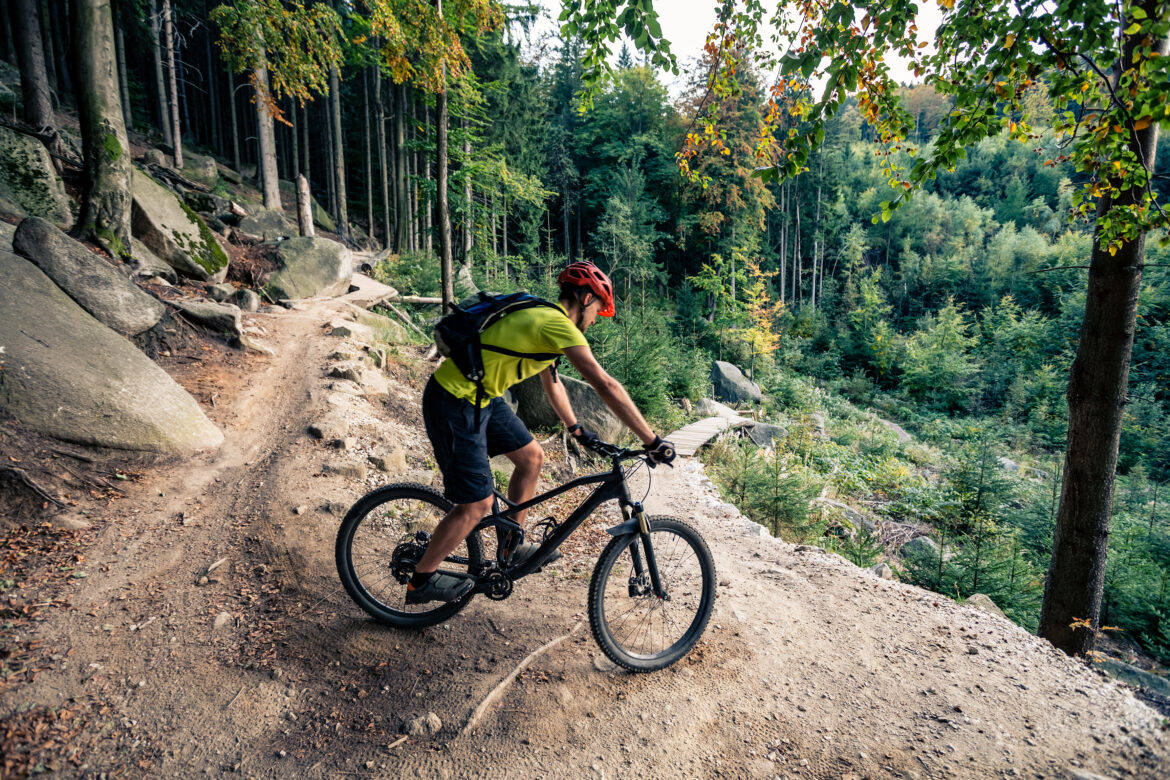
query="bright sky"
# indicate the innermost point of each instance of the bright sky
(685, 23)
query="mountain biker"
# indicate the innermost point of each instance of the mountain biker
(463, 448)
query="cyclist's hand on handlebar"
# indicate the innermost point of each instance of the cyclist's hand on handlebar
(660, 451)
(586, 437)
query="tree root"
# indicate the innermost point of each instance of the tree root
(498, 691)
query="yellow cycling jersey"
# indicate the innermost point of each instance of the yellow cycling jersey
(538, 329)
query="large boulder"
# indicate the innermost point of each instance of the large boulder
(266, 225)
(983, 601)
(200, 167)
(29, 180)
(88, 279)
(148, 265)
(464, 285)
(170, 229)
(766, 434)
(309, 267)
(533, 408)
(1133, 676)
(64, 374)
(321, 218)
(708, 408)
(731, 386)
(223, 318)
(920, 548)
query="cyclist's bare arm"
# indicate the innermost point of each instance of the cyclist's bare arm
(555, 390)
(610, 390)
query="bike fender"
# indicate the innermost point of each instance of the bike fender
(621, 529)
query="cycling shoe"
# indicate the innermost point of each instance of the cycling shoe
(440, 587)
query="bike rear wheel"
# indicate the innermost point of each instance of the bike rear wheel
(635, 628)
(382, 537)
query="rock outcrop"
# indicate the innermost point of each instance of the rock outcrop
(222, 318)
(149, 265)
(29, 181)
(731, 386)
(168, 227)
(533, 408)
(89, 280)
(766, 434)
(309, 267)
(66, 375)
(266, 225)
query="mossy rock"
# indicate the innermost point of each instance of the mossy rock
(29, 180)
(170, 229)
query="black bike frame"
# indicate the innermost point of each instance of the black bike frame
(610, 485)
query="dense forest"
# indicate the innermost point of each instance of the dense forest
(451, 133)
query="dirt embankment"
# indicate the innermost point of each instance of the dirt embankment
(199, 629)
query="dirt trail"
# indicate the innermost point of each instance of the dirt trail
(810, 667)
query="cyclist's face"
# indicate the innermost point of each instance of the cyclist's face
(588, 313)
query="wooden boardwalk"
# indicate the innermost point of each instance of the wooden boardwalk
(688, 439)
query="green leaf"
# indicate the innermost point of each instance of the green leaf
(808, 64)
(1133, 29)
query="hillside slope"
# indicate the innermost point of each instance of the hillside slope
(261, 666)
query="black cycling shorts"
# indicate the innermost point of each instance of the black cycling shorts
(463, 451)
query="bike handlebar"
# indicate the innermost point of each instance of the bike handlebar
(618, 454)
(614, 451)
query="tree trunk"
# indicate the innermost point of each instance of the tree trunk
(380, 140)
(123, 80)
(304, 207)
(168, 29)
(1096, 401)
(305, 147)
(331, 179)
(58, 26)
(469, 217)
(446, 262)
(236, 164)
(565, 216)
(9, 43)
(428, 211)
(295, 137)
(160, 93)
(402, 210)
(30, 53)
(369, 154)
(47, 47)
(105, 205)
(783, 242)
(214, 86)
(339, 153)
(266, 165)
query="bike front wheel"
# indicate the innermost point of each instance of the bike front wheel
(380, 541)
(636, 629)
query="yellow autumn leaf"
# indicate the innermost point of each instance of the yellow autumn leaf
(1009, 40)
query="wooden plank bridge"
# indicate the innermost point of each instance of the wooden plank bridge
(688, 439)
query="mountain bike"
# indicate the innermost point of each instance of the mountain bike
(650, 596)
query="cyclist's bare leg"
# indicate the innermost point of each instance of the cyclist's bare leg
(522, 486)
(450, 531)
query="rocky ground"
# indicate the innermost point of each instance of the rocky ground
(191, 623)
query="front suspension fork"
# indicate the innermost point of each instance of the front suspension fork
(651, 563)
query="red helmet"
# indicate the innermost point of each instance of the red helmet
(588, 275)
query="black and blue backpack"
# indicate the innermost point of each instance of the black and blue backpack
(458, 335)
